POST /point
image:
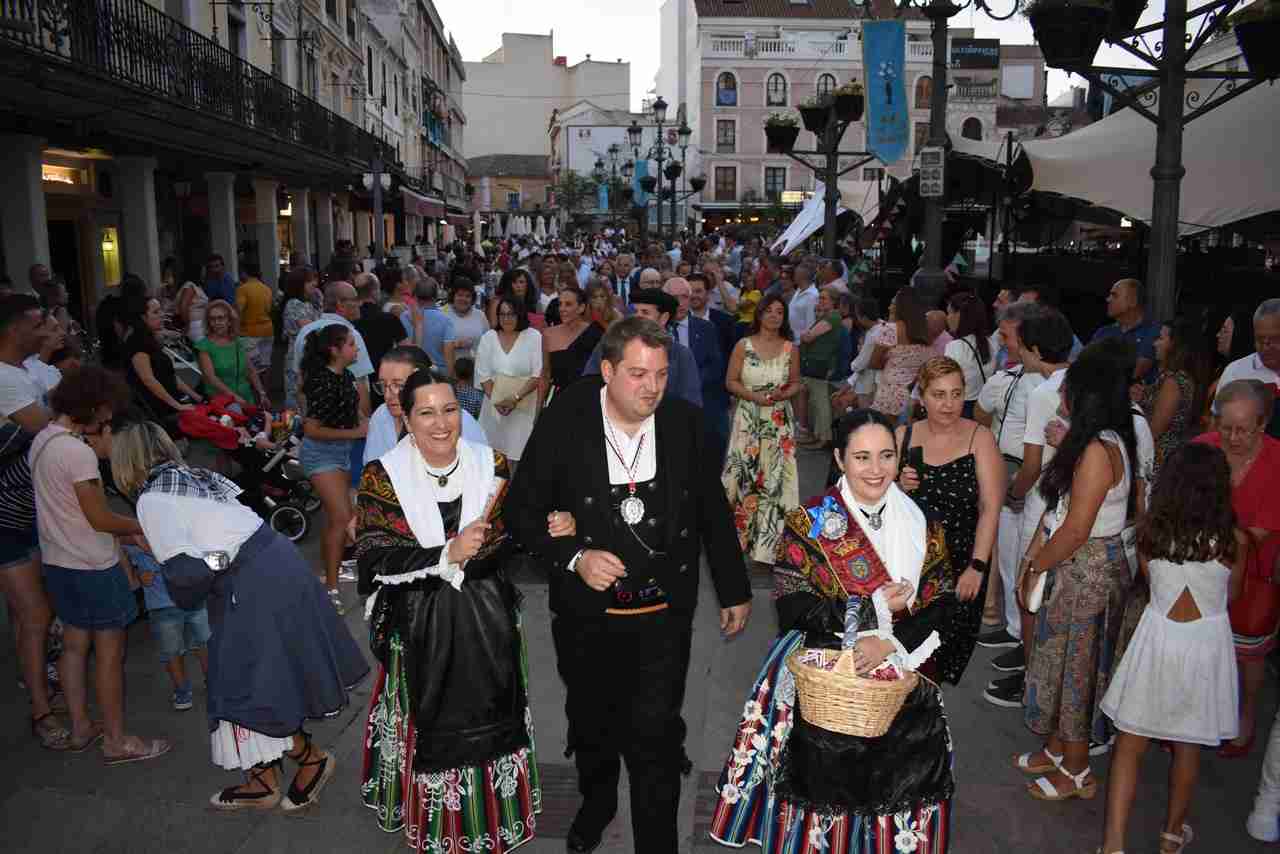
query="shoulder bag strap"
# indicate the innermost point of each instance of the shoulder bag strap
(44, 447)
(977, 358)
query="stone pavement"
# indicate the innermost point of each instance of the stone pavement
(52, 802)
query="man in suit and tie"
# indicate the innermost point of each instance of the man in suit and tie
(703, 340)
(684, 380)
(629, 461)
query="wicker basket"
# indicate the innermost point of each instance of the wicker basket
(840, 701)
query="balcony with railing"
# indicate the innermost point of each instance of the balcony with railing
(975, 91)
(132, 45)
(780, 49)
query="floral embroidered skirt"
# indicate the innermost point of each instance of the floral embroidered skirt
(491, 808)
(755, 803)
(1076, 644)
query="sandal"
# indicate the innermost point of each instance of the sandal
(297, 799)
(235, 798)
(1023, 763)
(50, 732)
(152, 749)
(1042, 790)
(95, 735)
(1180, 841)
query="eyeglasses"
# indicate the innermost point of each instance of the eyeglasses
(507, 314)
(1238, 432)
(394, 387)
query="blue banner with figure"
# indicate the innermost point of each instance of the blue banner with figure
(602, 197)
(884, 46)
(640, 197)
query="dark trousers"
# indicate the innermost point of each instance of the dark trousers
(625, 678)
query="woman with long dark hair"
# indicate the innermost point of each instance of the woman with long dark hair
(1172, 404)
(1089, 493)
(517, 286)
(298, 309)
(150, 370)
(901, 354)
(760, 476)
(971, 345)
(1232, 342)
(332, 422)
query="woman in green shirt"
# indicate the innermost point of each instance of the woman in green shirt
(224, 362)
(819, 347)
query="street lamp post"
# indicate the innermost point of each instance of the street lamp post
(658, 152)
(1166, 82)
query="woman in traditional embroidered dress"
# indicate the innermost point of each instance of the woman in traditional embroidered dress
(279, 654)
(444, 626)
(791, 787)
(760, 477)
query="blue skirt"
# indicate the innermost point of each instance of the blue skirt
(279, 653)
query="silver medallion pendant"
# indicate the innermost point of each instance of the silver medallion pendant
(876, 520)
(632, 510)
(834, 525)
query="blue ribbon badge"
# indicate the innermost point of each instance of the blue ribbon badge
(884, 58)
(829, 520)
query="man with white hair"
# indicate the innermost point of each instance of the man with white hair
(1263, 364)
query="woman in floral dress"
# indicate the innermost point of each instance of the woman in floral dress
(760, 470)
(449, 755)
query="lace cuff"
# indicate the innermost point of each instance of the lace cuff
(451, 573)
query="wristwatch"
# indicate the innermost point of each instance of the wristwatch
(572, 565)
(980, 565)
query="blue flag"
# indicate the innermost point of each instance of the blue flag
(602, 197)
(641, 198)
(883, 58)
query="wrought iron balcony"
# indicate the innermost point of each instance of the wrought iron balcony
(976, 91)
(132, 43)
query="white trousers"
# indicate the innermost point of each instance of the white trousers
(1009, 550)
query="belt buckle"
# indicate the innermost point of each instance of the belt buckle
(217, 561)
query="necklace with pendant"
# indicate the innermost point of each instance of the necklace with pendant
(874, 517)
(443, 479)
(632, 507)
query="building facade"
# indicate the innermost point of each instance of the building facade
(141, 130)
(519, 87)
(731, 63)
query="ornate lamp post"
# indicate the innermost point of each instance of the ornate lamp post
(658, 152)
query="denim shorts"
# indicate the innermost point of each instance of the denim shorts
(321, 456)
(178, 632)
(18, 547)
(91, 599)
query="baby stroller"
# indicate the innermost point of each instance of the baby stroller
(270, 475)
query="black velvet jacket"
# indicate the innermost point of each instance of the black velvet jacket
(564, 467)
(460, 648)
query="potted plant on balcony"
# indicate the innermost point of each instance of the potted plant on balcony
(1124, 17)
(781, 130)
(850, 101)
(1069, 32)
(1257, 28)
(814, 112)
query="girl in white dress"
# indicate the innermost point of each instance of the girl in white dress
(509, 369)
(1176, 680)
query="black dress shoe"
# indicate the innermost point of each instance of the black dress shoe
(579, 844)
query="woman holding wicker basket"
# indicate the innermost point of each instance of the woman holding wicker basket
(842, 745)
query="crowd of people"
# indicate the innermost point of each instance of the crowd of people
(1102, 514)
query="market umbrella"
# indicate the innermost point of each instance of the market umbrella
(554, 230)
(541, 229)
(476, 228)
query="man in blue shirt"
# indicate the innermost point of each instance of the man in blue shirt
(435, 333)
(1124, 306)
(218, 283)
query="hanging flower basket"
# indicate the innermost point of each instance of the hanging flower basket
(1124, 17)
(1257, 29)
(780, 133)
(1069, 32)
(814, 115)
(849, 102)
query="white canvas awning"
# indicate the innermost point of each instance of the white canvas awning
(1228, 153)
